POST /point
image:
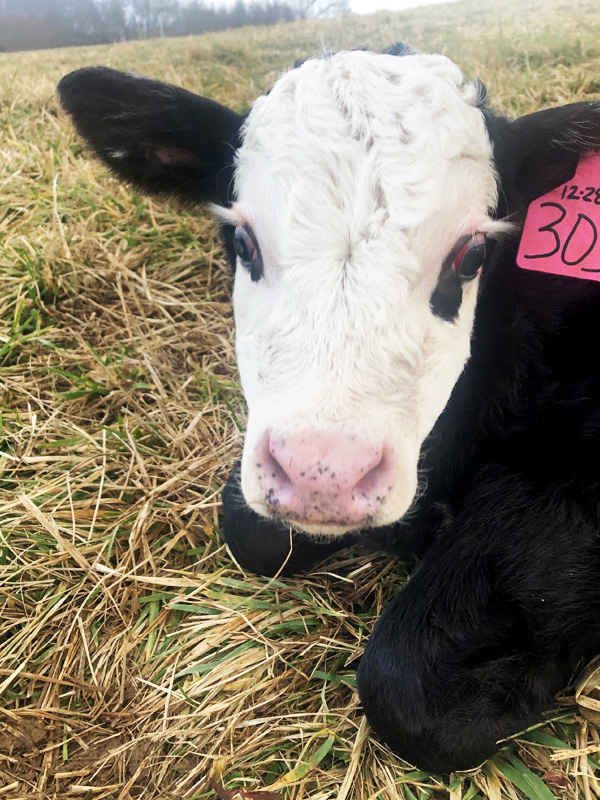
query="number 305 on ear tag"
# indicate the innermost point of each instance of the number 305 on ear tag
(562, 229)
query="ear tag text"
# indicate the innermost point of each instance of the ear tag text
(561, 235)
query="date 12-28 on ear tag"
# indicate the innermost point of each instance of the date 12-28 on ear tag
(561, 235)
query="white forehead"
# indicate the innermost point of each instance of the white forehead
(378, 142)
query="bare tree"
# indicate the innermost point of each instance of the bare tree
(114, 17)
(320, 8)
(154, 17)
(33, 24)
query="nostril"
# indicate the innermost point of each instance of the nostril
(275, 473)
(371, 483)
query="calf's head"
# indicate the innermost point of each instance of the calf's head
(356, 198)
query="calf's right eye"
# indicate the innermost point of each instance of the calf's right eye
(247, 250)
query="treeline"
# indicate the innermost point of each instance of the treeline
(35, 24)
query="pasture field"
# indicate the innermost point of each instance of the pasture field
(136, 660)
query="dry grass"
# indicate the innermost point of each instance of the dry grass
(136, 660)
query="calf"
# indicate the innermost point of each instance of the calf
(418, 318)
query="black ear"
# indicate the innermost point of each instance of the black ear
(162, 139)
(399, 49)
(538, 152)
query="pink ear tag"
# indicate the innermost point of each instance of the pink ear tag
(562, 229)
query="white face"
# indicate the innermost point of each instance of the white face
(358, 175)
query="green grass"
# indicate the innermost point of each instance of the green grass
(135, 659)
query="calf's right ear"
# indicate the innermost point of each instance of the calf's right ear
(162, 139)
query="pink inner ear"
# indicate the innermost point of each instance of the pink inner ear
(175, 155)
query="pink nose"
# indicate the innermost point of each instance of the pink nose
(323, 478)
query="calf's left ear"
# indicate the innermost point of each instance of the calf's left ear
(162, 139)
(538, 152)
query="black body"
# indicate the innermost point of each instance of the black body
(504, 605)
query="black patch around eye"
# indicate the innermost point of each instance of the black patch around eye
(460, 266)
(447, 296)
(256, 272)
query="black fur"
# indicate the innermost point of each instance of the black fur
(537, 152)
(399, 49)
(162, 139)
(505, 603)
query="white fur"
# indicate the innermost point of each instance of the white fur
(358, 173)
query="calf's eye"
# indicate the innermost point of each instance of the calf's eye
(247, 250)
(470, 257)
(462, 264)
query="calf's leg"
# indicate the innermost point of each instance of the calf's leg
(499, 613)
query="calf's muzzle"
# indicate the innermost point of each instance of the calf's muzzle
(322, 478)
